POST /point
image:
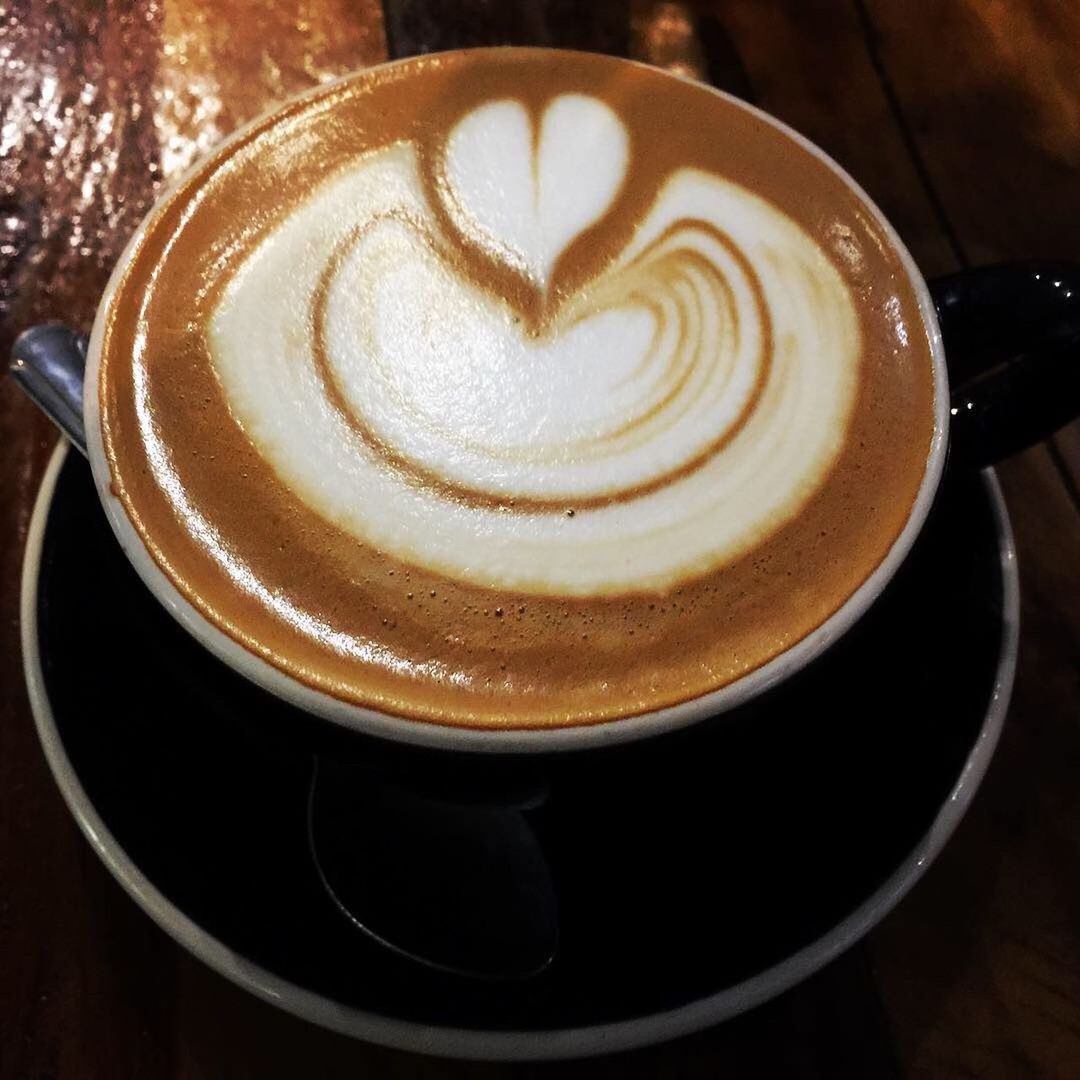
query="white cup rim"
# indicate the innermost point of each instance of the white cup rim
(432, 734)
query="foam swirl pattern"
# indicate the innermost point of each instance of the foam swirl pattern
(639, 429)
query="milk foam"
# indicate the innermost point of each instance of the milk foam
(659, 422)
(528, 206)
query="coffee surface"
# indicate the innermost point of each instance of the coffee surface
(516, 388)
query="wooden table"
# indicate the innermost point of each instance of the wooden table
(962, 121)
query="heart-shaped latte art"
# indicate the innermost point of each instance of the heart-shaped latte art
(680, 405)
(522, 189)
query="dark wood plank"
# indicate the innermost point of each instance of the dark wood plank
(1067, 442)
(75, 178)
(997, 991)
(1005, 76)
(423, 26)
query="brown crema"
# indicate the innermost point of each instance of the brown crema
(445, 650)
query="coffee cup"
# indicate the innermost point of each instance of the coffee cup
(516, 400)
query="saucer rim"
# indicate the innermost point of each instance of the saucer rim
(506, 1045)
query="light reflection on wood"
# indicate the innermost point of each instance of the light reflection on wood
(664, 33)
(223, 63)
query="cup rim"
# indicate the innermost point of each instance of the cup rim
(431, 734)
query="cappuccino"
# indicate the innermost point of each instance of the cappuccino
(516, 388)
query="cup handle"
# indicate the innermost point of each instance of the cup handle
(1012, 345)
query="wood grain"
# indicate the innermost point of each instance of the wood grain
(423, 26)
(997, 921)
(72, 184)
(1007, 77)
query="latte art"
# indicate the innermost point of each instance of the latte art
(511, 388)
(650, 425)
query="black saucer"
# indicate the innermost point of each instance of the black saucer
(697, 874)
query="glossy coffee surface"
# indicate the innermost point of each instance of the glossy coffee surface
(516, 388)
